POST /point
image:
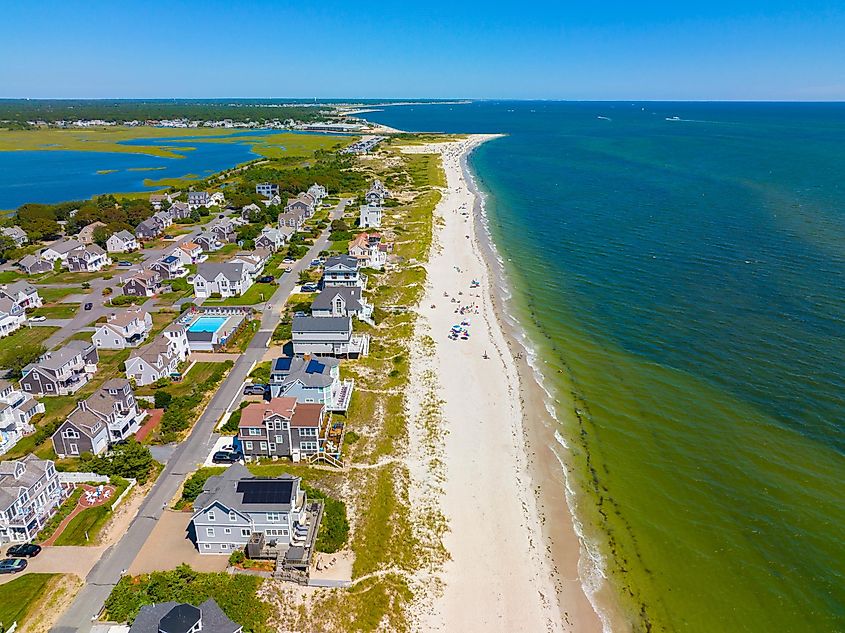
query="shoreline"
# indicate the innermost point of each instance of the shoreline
(515, 553)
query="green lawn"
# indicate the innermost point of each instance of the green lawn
(65, 277)
(89, 522)
(26, 336)
(8, 276)
(18, 596)
(256, 293)
(59, 311)
(53, 295)
(224, 253)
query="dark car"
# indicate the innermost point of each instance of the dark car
(24, 550)
(124, 263)
(12, 565)
(88, 306)
(225, 457)
(255, 390)
(309, 288)
(266, 279)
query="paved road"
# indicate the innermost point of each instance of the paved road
(186, 458)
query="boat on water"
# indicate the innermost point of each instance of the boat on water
(673, 118)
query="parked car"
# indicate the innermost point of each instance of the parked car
(315, 263)
(12, 565)
(266, 279)
(255, 390)
(37, 319)
(286, 270)
(299, 313)
(288, 260)
(309, 288)
(24, 550)
(224, 457)
(124, 263)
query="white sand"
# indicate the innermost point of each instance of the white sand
(501, 576)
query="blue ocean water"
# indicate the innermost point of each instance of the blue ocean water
(681, 269)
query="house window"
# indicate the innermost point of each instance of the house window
(71, 434)
(308, 446)
(263, 446)
(245, 532)
(285, 426)
(224, 546)
(248, 446)
(273, 517)
(308, 432)
(255, 431)
(27, 387)
(280, 439)
(211, 516)
(209, 531)
(227, 530)
(207, 545)
(233, 516)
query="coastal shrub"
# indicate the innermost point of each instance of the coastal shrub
(181, 411)
(235, 594)
(261, 373)
(130, 461)
(194, 484)
(162, 399)
(231, 425)
(237, 557)
(125, 300)
(351, 437)
(334, 528)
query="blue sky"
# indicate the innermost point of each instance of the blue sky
(523, 50)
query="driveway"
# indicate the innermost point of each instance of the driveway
(168, 546)
(65, 559)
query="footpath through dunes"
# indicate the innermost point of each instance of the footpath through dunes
(501, 562)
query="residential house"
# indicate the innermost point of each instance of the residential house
(62, 372)
(169, 267)
(310, 381)
(318, 193)
(327, 336)
(59, 251)
(376, 194)
(180, 211)
(342, 270)
(159, 359)
(109, 415)
(254, 261)
(143, 284)
(208, 242)
(157, 201)
(303, 204)
(175, 617)
(197, 199)
(369, 250)
(87, 259)
(18, 235)
(282, 427)
(16, 411)
(23, 293)
(370, 216)
(12, 316)
(267, 189)
(163, 218)
(292, 219)
(226, 279)
(341, 301)
(275, 201)
(122, 242)
(250, 212)
(122, 330)
(33, 265)
(148, 229)
(189, 253)
(217, 199)
(30, 493)
(86, 233)
(272, 238)
(236, 507)
(224, 231)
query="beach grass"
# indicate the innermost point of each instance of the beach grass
(18, 597)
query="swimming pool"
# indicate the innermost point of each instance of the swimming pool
(207, 324)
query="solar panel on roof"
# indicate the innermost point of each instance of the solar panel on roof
(283, 363)
(314, 367)
(266, 491)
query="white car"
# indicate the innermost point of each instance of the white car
(37, 319)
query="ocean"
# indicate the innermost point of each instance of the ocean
(680, 271)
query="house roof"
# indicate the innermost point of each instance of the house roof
(322, 324)
(55, 360)
(351, 297)
(189, 246)
(145, 276)
(64, 246)
(341, 260)
(123, 319)
(124, 235)
(254, 414)
(309, 414)
(165, 616)
(20, 286)
(238, 490)
(33, 469)
(231, 271)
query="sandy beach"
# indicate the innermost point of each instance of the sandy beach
(514, 555)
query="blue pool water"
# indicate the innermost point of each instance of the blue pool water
(207, 324)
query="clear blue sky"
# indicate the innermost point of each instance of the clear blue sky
(646, 49)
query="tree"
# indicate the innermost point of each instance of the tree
(7, 246)
(131, 460)
(100, 235)
(162, 399)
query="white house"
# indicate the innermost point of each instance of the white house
(122, 330)
(12, 316)
(17, 234)
(254, 261)
(30, 493)
(16, 411)
(369, 250)
(60, 250)
(159, 359)
(370, 216)
(189, 253)
(87, 259)
(122, 242)
(23, 293)
(227, 279)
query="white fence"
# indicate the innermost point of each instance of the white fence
(81, 478)
(117, 501)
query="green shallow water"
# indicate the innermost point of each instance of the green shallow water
(683, 285)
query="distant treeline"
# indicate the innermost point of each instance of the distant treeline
(119, 111)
